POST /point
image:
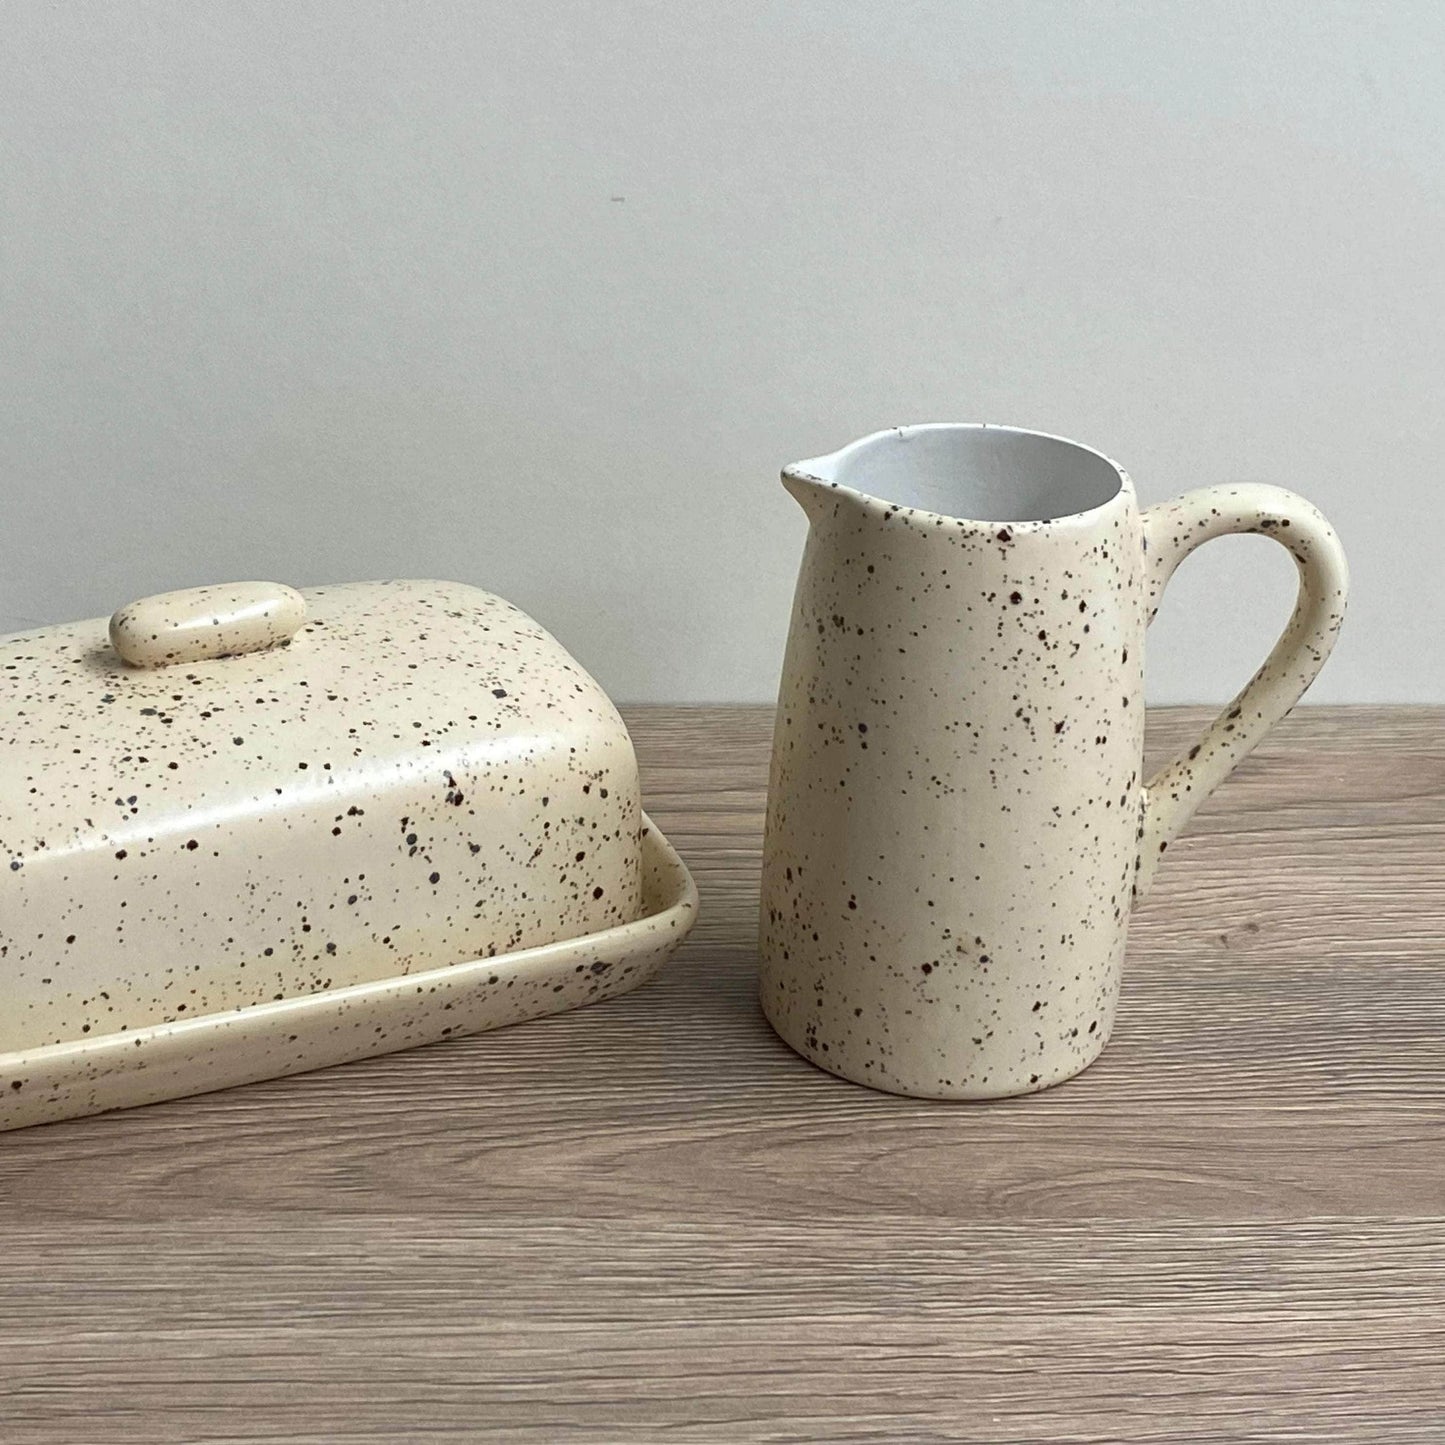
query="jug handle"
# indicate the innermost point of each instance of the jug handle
(1172, 530)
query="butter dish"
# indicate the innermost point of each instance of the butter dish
(247, 831)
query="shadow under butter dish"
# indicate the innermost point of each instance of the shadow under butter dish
(235, 857)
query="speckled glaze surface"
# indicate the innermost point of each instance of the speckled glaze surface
(283, 798)
(343, 1023)
(957, 823)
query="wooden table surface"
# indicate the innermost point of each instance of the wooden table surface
(651, 1221)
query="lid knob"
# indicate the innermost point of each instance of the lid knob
(203, 622)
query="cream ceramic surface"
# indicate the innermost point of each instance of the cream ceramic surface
(293, 795)
(957, 822)
(87, 1075)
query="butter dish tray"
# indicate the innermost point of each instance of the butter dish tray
(94, 1073)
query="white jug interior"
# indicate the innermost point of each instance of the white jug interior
(979, 472)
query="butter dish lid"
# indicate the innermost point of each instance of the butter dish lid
(238, 793)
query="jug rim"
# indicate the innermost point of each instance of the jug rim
(816, 477)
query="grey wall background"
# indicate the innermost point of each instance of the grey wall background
(541, 295)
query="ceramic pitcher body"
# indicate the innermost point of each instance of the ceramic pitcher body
(957, 823)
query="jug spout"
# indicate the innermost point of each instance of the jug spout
(813, 484)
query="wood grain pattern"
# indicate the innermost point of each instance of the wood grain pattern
(651, 1221)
